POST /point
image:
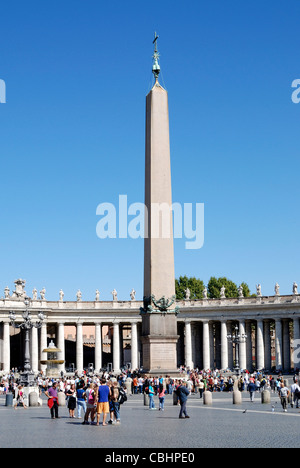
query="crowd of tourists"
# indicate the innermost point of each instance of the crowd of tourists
(91, 395)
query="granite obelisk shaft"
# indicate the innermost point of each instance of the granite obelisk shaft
(159, 334)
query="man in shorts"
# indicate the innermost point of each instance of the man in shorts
(103, 405)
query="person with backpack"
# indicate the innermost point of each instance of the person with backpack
(115, 395)
(91, 403)
(251, 389)
(295, 394)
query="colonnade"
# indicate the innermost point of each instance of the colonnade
(271, 325)
(39, 340)
(267, 344)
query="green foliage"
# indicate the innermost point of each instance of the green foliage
(215, 284)
(195, 286)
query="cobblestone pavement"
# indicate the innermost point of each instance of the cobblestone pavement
(223, 425)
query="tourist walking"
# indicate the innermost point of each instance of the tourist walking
(251, 390)
(284, 394)
(295, 394)
(161, 396)
(151, 394)
(183, 393)
(103, 404)
(51, 394)
(201, 388)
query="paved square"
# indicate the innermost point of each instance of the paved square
(222, 425)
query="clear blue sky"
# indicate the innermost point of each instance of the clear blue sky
(73, 128)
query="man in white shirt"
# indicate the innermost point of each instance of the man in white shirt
(284, 394)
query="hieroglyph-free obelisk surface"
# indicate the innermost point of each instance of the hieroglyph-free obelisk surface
(159, 328)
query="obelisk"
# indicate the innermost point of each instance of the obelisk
(159, 324)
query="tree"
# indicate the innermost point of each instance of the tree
(196, 287)
(231, 289)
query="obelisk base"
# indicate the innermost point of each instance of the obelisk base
(160, 355)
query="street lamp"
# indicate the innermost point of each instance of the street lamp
(27, 377)
(237, 339)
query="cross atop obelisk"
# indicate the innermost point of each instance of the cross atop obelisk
(155, 67)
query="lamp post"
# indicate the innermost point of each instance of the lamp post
(237, 339)
(27, 377)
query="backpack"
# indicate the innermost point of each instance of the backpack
(297, 394)
(91, 399)
(122, 396)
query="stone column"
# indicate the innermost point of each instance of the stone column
(260, 355)
(249, 363)
(267, 341)
(286, 345)
(134, 346)
(43, 345)
(218, 345)
(98, 347)
(188, 345)
(211, 345)
(296, 328)
(116, 348)
(34, 350)
(296, 343)
(278, 344)
(230, 347)
(206, 346)
(6, 347)
(242, 347)
(224, 346)
(79, 348)
(61, 345)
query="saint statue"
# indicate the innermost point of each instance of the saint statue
(132, 294)
(42, 294)
(79, 295)
(115, 295)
